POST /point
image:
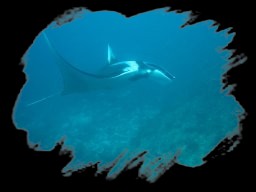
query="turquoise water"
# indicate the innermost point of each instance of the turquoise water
(185, 119)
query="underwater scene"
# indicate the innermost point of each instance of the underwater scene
(115, 88)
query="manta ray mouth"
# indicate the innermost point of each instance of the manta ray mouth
(161, 74)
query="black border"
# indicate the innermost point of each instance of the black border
(24, 20)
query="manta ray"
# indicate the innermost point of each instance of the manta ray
(114, 74)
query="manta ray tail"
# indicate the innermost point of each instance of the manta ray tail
(43, 99)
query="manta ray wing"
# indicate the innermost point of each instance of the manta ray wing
(74, 79)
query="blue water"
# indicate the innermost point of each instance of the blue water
(185, 119)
